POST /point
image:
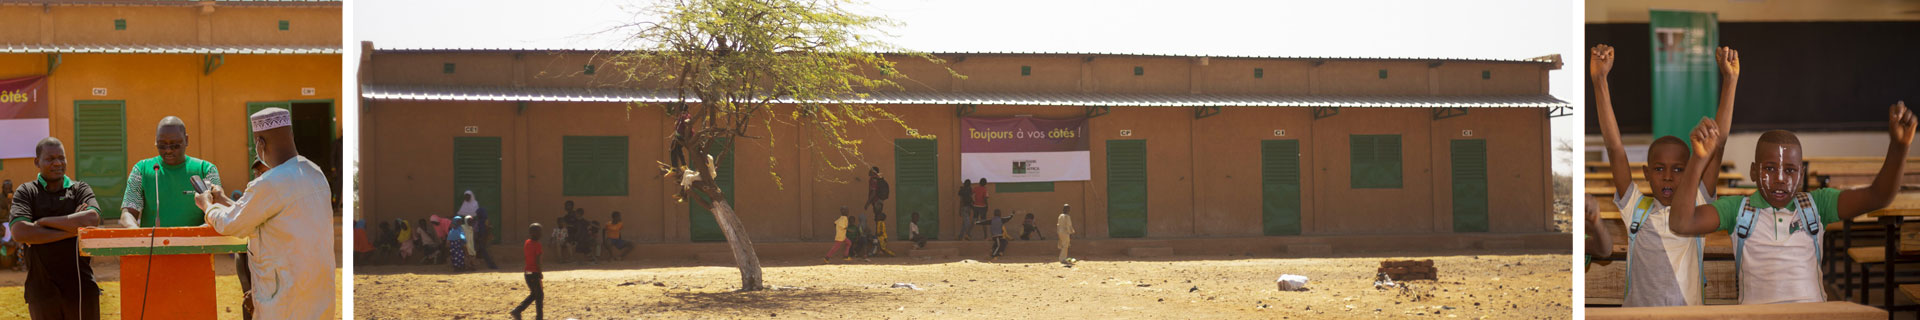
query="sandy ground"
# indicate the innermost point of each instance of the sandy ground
(107, 273)
(1471, 285)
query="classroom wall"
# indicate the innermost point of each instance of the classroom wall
(1204, 174)
(154, 86)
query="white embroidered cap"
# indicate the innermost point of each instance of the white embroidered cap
(271, 118)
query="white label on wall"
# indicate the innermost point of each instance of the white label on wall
(1126, 133)
(306, 91)
(473, 129)
(1466, 133)
(1280, 133)
(99, 92)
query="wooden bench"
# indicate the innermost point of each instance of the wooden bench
(1603, 166)
(1605, 179)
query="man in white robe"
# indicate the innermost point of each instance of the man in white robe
(287, 216)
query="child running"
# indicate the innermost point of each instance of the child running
(535, 296)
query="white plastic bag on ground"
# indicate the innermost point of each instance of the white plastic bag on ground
(1292, 282)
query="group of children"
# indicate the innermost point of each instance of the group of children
(590, 240)
(1778, 264)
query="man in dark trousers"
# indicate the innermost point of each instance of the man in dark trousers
(877, 193)
(46, 215)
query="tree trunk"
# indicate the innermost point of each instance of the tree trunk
(737, 238)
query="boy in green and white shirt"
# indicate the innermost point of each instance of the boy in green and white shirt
(1777, 230)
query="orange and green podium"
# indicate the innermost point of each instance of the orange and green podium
(165, 273)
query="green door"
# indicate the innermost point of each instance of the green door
(1470, 185)
(99, 149)
(252, 154)
(1126, 188)
(916, 186)
(704, 227)
(1280, 187)
(476, 166)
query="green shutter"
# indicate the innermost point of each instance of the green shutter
(99, 149)
(593, 165)
(476, 166)
(1126, 188)
(1018, 187)
(916, 186)
(1376, 161)
(1470, 185)
(1280, 187)
(252, 153)
(704, 227)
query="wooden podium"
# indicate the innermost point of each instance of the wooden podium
(167, 269)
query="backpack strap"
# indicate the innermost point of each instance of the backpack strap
(1809, 215)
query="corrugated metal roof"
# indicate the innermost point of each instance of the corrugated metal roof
(476, 93)
(1539, 59)
(165, 49)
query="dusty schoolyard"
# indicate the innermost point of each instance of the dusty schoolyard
(1473, 285)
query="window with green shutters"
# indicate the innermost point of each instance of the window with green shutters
(99, 150)
(1280, 187)
(593, 165)
(1376, 161)
(1469, 157)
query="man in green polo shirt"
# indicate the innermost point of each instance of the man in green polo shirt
(162, 196)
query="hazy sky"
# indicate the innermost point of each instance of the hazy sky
(1359, 28)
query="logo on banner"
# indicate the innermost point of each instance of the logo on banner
(1024, 167)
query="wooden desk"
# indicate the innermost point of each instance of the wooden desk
(1904, 205)
(1831, 310)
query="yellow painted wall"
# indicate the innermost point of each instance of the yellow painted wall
(154, 86)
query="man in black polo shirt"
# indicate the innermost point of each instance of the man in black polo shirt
(47, 215)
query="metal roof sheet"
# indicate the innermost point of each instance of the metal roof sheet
(164, 49)
(1539, 59)
(482, 93)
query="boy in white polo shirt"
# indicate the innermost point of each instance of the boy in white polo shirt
(1663, 268)
(1777, 230)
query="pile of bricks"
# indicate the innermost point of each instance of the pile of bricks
(1403, 270)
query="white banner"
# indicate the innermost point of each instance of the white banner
(999, 167)
(18, 136)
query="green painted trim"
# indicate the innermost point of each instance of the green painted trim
(141, 251)
(1018, 187)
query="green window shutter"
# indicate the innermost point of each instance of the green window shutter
(704, 228)
(1259, 73)
(476, 166)
(1376, 161)
(1018, 187)
(1280, 187)
(1469, 159)
(285, 25)
(916, 186)
(1026, 71)
(594, 165)
(252, 107)
(1126, 188)
(99, 149)
(119, 24)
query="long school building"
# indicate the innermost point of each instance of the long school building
(114, 68)
(1181, 147)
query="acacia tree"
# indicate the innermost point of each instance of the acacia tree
(728, 63)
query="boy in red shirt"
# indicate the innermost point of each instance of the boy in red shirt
(534, 295)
